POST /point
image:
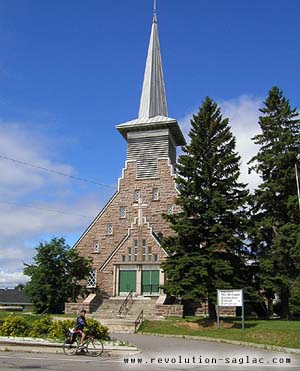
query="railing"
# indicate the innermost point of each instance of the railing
(139, 321)
(124, 308)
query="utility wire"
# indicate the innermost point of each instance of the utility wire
(56, 172)
(49, 210)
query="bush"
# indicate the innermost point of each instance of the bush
(46, 327)
(41, 327)
(59, 329)
(97, 329)
(14, 326)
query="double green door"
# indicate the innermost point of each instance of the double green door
(150, 282)
(127, 281)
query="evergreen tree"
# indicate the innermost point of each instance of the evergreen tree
(53, 274)
(276, 209)
(207, 250)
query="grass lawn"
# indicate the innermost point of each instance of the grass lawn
(271, 332)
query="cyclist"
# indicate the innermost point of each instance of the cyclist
(80, 325)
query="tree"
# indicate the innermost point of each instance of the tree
(53, 275)
(207, 251)
(275, 203)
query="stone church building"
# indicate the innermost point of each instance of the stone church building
(124, 239)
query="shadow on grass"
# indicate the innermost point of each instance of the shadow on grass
(225, 323)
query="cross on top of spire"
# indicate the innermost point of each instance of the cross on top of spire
(153, 100)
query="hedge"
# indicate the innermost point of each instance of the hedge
(45, 327)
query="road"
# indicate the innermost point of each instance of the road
(159, 353)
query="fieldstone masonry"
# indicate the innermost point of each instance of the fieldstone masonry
(113, 248)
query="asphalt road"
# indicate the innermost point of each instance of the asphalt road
(160, 353)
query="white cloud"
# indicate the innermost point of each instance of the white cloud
(9, 280)
(243, 117)
(35, 203)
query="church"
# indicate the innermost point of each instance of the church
(124, 239)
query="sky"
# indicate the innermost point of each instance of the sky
(71, 70)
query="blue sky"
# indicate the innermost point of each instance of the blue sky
(72, 70)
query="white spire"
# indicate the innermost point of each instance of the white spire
(153, 100)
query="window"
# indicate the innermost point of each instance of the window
(149, 254)
(96, 247)
(123, 258)
(136, 195)
(129, 254)
(109, 229)
(155, 258)
(135, 249)
(170, 210)
(155, 194)
(91, 280)
(144, 250)
(122, 212)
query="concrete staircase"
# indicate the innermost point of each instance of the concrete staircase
(108, 313)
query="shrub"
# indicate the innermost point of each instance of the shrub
(41, 327)
(97, 329)
(14, 326)
(59, 329)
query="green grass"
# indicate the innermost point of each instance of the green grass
(271, 332)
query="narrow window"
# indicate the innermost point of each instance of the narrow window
(135, 249)
(170, 210)
(155, 258)
(96, 247)
(149, 254)
(109, 229)
(91, 280)
(155, 194)
(122, 212)
(123, 258)
(144, 250)
(136, 195)
(129, 254)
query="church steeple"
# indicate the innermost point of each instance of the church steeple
(153, 136)
(153, 100)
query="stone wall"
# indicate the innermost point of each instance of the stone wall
(128, 183)
(90, 304)
(228, 311)
(72, 308)
(174, 310)
(202, 311)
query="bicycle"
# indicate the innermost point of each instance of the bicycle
(90, 347)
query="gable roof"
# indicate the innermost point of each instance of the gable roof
(13, 296)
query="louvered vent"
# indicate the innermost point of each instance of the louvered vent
(146, 168)
(146, 147)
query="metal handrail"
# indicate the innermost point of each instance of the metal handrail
(123, 307)
(139, 320)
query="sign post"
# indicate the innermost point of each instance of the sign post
(231, 298)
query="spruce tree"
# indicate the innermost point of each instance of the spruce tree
(276, 209)
(207, 250)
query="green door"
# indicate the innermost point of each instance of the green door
(127, 281)
(150, 282)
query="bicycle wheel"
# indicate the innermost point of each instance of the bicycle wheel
(95, 348)
(69, 349)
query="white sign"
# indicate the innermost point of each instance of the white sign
(230, 298)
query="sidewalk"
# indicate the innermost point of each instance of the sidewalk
(34, 345)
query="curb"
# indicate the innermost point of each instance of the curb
(227, 341)
(32, 345)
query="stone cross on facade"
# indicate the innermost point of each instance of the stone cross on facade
(140, 206)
